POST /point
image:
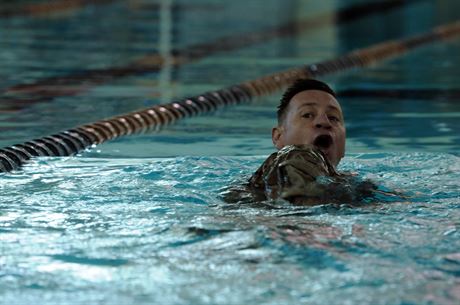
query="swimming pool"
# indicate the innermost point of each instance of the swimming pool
(139, 220)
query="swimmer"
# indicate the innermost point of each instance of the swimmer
(310, 138)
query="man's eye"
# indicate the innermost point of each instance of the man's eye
(333, 118)
(307, 115)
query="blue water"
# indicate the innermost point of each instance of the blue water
(140, 220)
(122, 231)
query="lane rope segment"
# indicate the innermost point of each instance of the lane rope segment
(72, 141)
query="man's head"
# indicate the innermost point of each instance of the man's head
(310, 114)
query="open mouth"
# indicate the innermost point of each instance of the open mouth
(323, 141)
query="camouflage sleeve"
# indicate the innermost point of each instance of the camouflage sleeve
(300, 174)
(292, 174)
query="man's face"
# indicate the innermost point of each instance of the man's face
(313, 117)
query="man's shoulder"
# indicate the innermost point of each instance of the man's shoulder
(309, 158)
(290, 171)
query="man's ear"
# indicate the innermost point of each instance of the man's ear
(277, 137)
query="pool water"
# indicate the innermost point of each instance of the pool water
(143, 231)
(140, 220)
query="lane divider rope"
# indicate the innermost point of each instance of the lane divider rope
(72, 141)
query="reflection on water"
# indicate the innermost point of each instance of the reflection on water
(154, 230)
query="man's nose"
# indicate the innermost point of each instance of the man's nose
(322, 121)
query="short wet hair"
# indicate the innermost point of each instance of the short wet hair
(300, 85)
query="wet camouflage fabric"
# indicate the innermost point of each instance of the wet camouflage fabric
(302, 175)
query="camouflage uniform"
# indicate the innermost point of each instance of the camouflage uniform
(302, 175)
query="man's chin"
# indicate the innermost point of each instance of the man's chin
(326, 151)
(330, 156)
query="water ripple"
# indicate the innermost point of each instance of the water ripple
(158, 226)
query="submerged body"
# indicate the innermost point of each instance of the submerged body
(301, 174)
